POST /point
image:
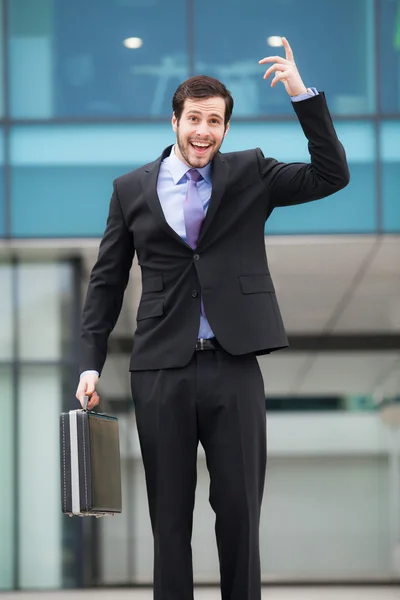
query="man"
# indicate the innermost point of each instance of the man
(195, 218)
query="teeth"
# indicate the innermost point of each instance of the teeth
(200, 145)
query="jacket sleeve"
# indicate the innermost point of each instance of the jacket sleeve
(327, 173)
(107, 284)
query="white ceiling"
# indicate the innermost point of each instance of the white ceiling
(327, 284)
(337, 284)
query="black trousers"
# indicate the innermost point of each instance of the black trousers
(219, 400)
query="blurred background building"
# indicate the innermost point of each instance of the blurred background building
(85, 97)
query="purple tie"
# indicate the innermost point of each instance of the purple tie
(193, 210)
(193, 213)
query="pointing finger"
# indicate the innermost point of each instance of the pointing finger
(288, 50)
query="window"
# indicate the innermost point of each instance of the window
(389, 55)
(69, 58)
(337, 59)
(62, 175)
(352, 210)
(390, 133)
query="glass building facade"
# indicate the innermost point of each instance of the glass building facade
(79, 108)
(86, 88)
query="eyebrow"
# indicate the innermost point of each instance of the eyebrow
(197, 112)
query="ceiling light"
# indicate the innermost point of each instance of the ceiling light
(275, 41)
(133, 43)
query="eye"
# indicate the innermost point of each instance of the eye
(215, 121)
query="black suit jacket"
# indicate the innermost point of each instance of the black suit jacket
(229, 265)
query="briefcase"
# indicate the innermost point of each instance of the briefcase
(90, 463)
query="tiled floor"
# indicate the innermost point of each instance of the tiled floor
(269, 593)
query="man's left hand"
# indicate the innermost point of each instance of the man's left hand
(286, 71)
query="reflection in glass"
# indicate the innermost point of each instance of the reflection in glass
(322, 35)
(389, 55)
(62, 64)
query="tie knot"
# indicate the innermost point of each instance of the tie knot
(193, 175)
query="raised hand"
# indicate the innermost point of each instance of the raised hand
(286, 71)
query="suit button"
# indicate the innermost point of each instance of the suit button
(195, 294)
(196, 256)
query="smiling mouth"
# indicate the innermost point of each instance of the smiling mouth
(200, 147)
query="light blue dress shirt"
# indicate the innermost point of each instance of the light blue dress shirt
(310, 93)
(171, 189)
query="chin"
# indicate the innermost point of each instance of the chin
(201, 161)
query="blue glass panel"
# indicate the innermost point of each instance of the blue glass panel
(1, 60)
(390, 133)
(352, 210)
(58, 201)
(61, 176)
(47, 145)
(285, 141)
(323, 36)
(2, 207)
(30, 58)
(69, 58)
(389, 55)
(391, 201)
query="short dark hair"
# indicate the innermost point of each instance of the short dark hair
(201, 86)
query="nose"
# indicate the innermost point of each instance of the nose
(202, 129)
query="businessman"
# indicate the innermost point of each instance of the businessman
(195, 217)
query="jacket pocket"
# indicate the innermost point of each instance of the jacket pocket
(153, 307)
(256, 284)
(153, 284)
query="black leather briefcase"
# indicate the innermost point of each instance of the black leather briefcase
(90, 464)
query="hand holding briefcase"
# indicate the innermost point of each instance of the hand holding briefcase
(90, 463)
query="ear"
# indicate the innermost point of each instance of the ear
(227, 128)
(174, 122)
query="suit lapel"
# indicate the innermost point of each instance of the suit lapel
(149, 184)
(220, 172)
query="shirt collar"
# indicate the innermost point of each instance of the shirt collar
(178, 168)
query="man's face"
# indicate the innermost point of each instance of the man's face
(200, 131)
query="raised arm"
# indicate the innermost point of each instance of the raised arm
(327, 172)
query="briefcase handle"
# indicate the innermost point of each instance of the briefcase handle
(85, 402)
